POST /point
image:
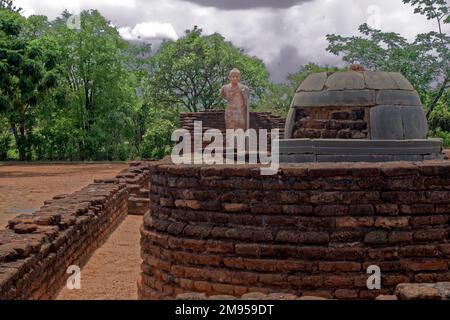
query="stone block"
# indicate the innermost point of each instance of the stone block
(345, 81)
(380, 80)
(386, 123)
(417, 292)
(350, 98)
(297, 158)
(398, 98)
(314, 82)
(401, 81)
(290, 123)
(415, 123)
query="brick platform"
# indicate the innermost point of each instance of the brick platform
(312, 230)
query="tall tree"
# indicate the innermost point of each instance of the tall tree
(99, 87)
(188, 73)
(25, 78)
(425, 61)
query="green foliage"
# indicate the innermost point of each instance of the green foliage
(5, 139)
(86, 94)
(9, 5)
(157, 140)
(187, 74)
(26, 78)
(96, 99)
(432, 9)
(440, 117)
(378, 50)
(444, 135)
(425, 61)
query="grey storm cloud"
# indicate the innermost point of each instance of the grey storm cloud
(248, 4)
(287, 62)
(285, 34)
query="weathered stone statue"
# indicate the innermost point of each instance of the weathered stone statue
(238, 96)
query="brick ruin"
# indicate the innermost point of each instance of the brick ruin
(329, 123)
(215, 119)
(219, 231)
(36, 250)
(312, 230)
(356, 105)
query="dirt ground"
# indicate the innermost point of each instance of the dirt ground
(112, 271)
(24, 188)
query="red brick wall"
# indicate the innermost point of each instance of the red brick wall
(332, 123)
(37, 249)
(215, 119)
(311, 230)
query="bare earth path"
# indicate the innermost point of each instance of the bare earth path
(112, 271)
(24, 188)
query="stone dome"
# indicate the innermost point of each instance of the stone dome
(356, 105)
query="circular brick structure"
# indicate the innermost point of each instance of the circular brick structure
(311, 230)
(356, 105)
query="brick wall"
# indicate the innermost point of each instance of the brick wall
(137, 180)
(312, 230)
(332, 123)
(36, 250)
(215, 119)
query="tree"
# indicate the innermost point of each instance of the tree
(9, 5)
(425, 61)
(187, 74)
(5, 138)
(98, 87)
(25, 78)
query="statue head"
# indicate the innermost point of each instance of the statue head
(235, 76)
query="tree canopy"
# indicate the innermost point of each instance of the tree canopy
(85, 93)
(188, 73)
(424, 61)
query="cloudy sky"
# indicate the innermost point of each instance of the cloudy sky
(284, 33)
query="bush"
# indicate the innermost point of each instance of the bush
(444, 135)
(157, 141)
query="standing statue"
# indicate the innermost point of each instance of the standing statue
(237, 115)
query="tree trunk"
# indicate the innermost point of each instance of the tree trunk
(18, 138)
(438, 97)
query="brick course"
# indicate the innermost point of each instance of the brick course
(313, 229)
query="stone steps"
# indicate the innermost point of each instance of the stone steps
(335, 150)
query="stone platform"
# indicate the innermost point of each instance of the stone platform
(336, 150)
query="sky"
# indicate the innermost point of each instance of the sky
(285, 34)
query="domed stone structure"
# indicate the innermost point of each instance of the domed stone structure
(367, 115)
(357, 105)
